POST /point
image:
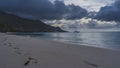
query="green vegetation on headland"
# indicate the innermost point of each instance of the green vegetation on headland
(13, 23)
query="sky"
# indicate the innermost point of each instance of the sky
(107, 16)
(90, 5)
(53, 9)
(43, 9)
(67, 12)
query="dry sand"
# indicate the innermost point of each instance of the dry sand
(26, 52)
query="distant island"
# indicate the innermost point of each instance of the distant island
(13, 23)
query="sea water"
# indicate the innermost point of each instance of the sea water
(110, 40)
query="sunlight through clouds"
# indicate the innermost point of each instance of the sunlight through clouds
(84, 23)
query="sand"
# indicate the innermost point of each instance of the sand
(27, 52)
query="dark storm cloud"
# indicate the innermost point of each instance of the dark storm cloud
(42, 9)
(76, 12)
(110, 13)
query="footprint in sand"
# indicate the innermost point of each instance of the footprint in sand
(9, 44)
(91, 64)
(30, 60)
(17, 50)
(14, 48)
(19, 53)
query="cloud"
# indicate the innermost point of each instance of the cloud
(42, 9)
(90, 5)
(84, 23)
(110, 13)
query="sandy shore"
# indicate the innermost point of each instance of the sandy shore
(26, 52)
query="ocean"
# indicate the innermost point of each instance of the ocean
(109, 40)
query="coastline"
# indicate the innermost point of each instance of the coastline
(15, 51)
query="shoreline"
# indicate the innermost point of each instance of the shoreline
(107, 46)
(22, 52)
(71, 43)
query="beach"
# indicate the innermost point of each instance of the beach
(27, 52)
